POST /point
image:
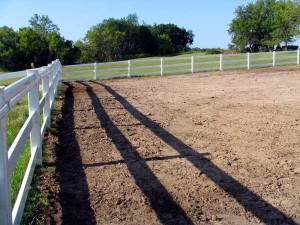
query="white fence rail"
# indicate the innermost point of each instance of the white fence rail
(50, 76)
(173, 65)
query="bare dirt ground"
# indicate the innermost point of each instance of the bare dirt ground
(209, 148)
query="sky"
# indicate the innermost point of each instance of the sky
(209, 20)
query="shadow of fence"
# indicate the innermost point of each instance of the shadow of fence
(74, 191)
(253, 203)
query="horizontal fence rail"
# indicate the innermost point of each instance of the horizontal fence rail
(50, 76)
(177, 65)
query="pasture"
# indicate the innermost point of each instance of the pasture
(209, 148)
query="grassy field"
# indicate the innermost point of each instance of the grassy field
(178, 64)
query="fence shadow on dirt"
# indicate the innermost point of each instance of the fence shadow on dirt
(253, 203)
(74, 192)
(167, 210)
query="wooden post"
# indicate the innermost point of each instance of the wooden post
(298, 57)
(46, 110)
(274, 58)
(221, 62)
(34, 109)
(129, 68)
(161, 66)
(192, 64)
(248, 60)
(5, 201)
(95, 71)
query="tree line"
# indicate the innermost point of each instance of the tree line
(113, 39)
(118, 39)
(265, 25)
(38, 44)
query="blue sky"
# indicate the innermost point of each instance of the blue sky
(208, 20)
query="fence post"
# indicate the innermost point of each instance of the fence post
(51, 85)
(221, 62)
(34, 109)
(274, 58)
(55, 78)
(95, 71)
(5, 201)
(161, 66)
(248, 60)
(298, 57)
(192, 64)
(129, 68)
(46, 110)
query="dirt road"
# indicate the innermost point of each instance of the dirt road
(210, 148)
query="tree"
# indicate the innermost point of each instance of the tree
(251, 27)
(180, 37)
(165, 45)
(9, 54)
(265, 23)
(58, 47)
(33, 47)
(118, 39)
(62, 49)
(286, 22)
(43, 24)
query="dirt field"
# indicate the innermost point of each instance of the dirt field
(210, 148)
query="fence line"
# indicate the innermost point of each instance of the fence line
(188, 64)
(50, 76)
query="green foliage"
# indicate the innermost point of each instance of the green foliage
(165, 45)
(8, 48)
(33, 47)
(39, 44)
(43, 24)
(265, 23)
(62, 49)
(179, 37)
(286, 21)
(118, 39)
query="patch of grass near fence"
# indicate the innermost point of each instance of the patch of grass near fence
(9, 81)
(37, 204)
(14, 121)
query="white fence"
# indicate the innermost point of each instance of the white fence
(50, 76)
(175, 65)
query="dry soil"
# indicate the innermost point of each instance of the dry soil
(209, 148)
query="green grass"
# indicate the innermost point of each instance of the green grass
(14, 121)
(171, 64)
(37, 203)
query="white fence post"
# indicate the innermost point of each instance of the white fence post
(274, 58)
(129, 68)
(248, 60)
(51, 86)
(161, 66)
(5, 201)
(95, 71)
(221, 62)
(46, 110)
(298, 57)
(56, 77)
(34, 108)
(192, 64)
